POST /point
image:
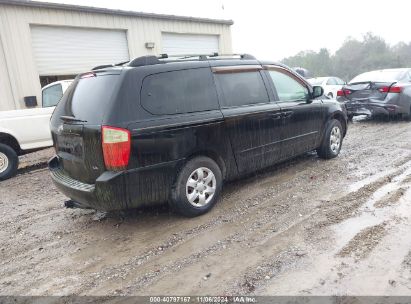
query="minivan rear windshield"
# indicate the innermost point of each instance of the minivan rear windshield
(87, 98)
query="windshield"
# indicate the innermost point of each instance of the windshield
(379, 76)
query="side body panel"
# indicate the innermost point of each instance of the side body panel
(30, 127)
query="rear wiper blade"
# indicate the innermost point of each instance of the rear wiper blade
(71, 118)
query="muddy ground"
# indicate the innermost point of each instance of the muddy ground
(305, 227)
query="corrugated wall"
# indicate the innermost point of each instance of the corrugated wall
(20, 70)
(7, 100)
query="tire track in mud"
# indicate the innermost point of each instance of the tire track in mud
(390, 198)
(344, 207)
(364, 241)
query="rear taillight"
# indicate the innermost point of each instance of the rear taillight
(116, 147)
(392, 89)
(395, 89)
(343, 92)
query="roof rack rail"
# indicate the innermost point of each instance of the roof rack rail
(205, 56)
(151, 59)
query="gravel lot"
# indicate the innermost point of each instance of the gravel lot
(305, 227)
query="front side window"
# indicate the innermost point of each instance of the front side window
(242, 88)
(178, 92)
(52, 95)
(288, 89)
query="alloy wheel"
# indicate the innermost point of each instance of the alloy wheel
(200, 187)
(335, 139)
(4, 162)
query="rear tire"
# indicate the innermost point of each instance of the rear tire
(332, 140)
(9, 162)
(197, 188)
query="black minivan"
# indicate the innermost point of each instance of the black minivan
(159, 130)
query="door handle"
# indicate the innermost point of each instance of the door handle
(287, 114)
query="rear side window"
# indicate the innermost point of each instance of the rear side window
(179, 92)
(87, 99)
(243, 88)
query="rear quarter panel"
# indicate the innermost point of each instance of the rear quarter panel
(334, 109)
(404, 99)
(160, 148)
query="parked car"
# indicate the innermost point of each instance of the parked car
(28, 130)
(170, 130)
(331, 85)
(381, 92)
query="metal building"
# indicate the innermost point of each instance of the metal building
(44, 42)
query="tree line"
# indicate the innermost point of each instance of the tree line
(353, 57)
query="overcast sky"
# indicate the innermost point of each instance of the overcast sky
(277, 29)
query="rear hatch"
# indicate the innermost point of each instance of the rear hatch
(76, 124)
(365, 91)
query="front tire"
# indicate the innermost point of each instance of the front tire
(197, 187)
(332, 141)
(9, 162)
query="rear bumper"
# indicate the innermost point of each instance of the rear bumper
(118, 190)
(370, 108)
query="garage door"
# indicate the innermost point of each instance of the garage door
(68, 50)
(174, 44)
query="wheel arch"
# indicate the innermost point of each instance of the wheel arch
(341, 118)
(11, 141)
(214, 156)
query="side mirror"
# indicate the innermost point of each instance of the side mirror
(317, 91)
